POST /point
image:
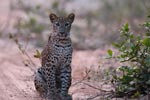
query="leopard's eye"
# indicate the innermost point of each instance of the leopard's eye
(57, 24)
(66, 24)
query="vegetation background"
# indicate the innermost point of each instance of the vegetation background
(97, 21)
(25, 24)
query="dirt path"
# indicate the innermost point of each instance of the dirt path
(16, 79)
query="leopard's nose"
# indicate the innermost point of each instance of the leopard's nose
(62, 33)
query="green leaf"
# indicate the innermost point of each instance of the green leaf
(117, 45)
(126, 27)
(147, 24)
(136, 94)
(146, 42)
(110, 53)
(38, 54)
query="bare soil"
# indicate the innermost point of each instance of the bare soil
(16, 78)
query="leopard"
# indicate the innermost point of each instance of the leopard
(53, 79)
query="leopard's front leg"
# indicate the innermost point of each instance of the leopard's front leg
(65, 82)
(51, 82)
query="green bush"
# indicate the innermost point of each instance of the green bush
(132, 79)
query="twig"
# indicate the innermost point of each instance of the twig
(98, 95)
(84, 78)
(96, 87)
(29, 58)
(23, 51)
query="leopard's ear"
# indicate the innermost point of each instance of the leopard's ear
(52, 17)
(71, 17)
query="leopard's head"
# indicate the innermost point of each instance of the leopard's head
(61, 25)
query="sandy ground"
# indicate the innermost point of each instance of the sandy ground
(16, 79)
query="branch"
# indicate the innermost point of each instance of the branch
(99, 95)
(97, 88)
(84, 78)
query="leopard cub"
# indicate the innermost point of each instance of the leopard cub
(53, 79)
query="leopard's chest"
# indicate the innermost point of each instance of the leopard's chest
(62, 50)
(63, 54)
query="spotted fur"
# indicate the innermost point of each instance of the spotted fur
(53, 79)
